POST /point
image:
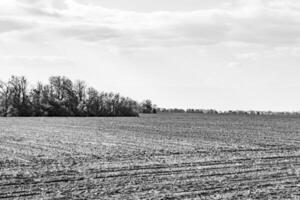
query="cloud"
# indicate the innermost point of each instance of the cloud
(44, 8)
(258, 22)
(90, 33)
(36, 60)
(42, 12)
(234, 65)
(9, 25)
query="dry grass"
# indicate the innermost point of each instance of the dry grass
(177, 156)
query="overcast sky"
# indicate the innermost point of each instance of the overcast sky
(221, 54)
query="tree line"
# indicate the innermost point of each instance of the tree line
(62, 97)
(228, 112)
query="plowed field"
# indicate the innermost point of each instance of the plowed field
(164, 156)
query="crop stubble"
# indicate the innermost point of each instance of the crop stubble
(177, 156)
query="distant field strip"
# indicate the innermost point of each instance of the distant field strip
(164, 156)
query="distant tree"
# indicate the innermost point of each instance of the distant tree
(4, 98)
(63, 99)
(36, 98)
(80, 90)
(93, 102)
(146, 106)
(18, 99)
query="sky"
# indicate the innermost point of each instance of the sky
(219, 54)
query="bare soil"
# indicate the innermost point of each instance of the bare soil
(164, 156)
